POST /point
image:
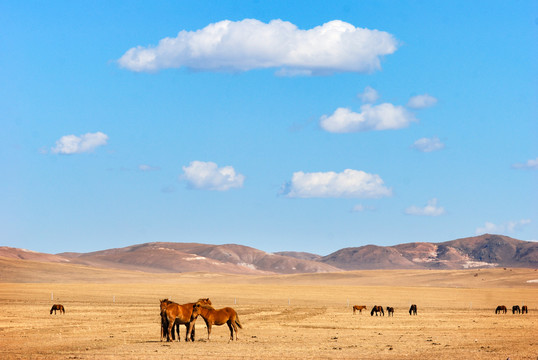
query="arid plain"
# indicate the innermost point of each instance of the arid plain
(115, 314)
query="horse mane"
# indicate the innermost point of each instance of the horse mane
(205, 306)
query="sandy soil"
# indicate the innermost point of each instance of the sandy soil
(306, 317)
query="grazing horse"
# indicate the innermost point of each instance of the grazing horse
(390, 311)
(181, 314)
(501, 308)
(413, 310)
(219, 317)
(376, 309)
(516, 309)
(58, 307)
(358, 308)
(524, 309)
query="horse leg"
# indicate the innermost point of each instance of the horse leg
(235, 328)
(208, 331)
(170, 330)
(177, 330)
(229, 323)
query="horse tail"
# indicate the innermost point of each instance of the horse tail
(237, 322)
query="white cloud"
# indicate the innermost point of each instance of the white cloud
(208, 176)
(369, 95)
(421, 101)
(71, 144)
(431, 209)
(347, 184)
(249, 44)
(530, 164)
(508, 227)
(372, 117)
(145, 167)
(428, 144)
(361, 208)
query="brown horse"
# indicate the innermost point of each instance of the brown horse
(390, 311)
(524, 309)
(180, 314)
(376, 309)
(413, 310)
(219, 317)
(516, 309)
(58, 307)
(359, 308)
(164, 321)
(501, 308)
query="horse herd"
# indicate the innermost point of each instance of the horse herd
(174, 314)
(379, 309)
(515, 309)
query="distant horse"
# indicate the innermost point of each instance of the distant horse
(516, 309)
(358, 308)
(501, 308)
(181, 314)
(219, 317)
(413, 310)
(390, 311)
(524, 309)
(376, 309)
(58, 307)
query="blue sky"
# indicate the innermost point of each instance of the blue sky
(273, 124)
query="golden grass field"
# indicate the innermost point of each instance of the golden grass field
(284, 317)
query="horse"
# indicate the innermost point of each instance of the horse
(58, 307)
(219, 317)
(516, 309)
(390, 311)
(413, 310)
(376, 309)
(501, 308)
(180, 314)
(524, 309)
(164, 320)
(359, 308)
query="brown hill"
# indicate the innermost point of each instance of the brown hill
(188, 257)
(474, 252)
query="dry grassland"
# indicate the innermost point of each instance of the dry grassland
(293, 317)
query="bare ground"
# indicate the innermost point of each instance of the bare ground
(291, 317)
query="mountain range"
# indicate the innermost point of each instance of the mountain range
(169, 257)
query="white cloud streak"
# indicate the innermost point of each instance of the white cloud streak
(347, 184)
(428, 144)
(421, 101)
(72, 144)
(372, 117)
(531, 164)
(431, 209)
(208, 176)
(249, 44)
(508, 227)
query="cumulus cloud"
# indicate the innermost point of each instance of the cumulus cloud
(431, 209)
(208, 176)
(508, 227)
(372, 117)
(530, 164)
(72, 144)
(249, 44)
(421, 101)
(347, 184)
(369, 95)
(428, 144)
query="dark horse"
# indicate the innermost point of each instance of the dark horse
(413, 310)
(516, 309)
(58, 307)
(390, 311)
(501, 308)
(376, 309)
(524, 309)
(173, 314)
(212, 317)
(358, 308)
